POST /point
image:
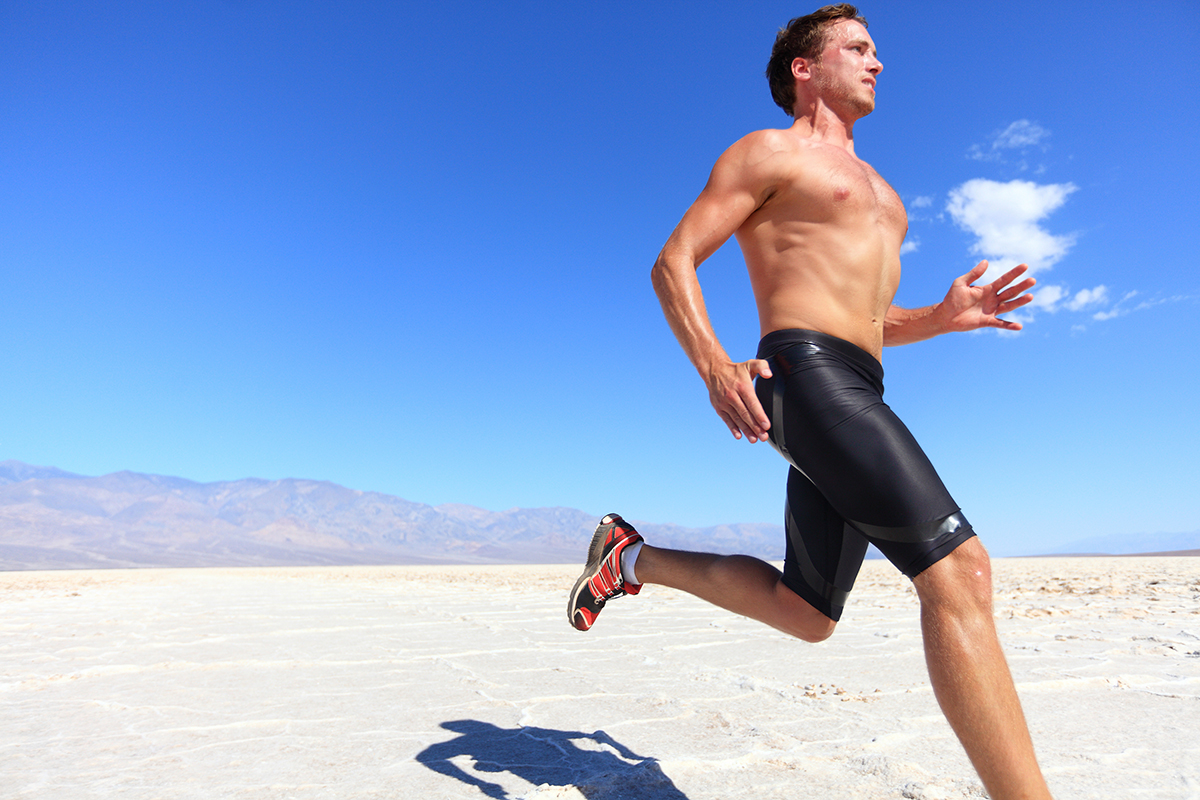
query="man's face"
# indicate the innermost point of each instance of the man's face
(845, 73)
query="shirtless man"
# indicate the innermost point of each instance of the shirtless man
(820, 232)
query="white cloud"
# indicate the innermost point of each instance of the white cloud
(1123, 307)
(1048, 297)
(1119, 308)
(924, 201)
(1005, 217)
(1052, 298)
(1088, 297)
(1020, 135)
(910, 246)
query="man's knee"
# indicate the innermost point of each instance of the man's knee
(800, 618)
(962, 579)
(816, 630)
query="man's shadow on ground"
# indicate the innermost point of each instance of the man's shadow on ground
(598, 766)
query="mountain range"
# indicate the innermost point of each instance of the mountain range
(52, 519)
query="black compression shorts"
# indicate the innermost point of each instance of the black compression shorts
(857, 474)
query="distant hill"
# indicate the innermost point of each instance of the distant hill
(51, 519)
(15, 472)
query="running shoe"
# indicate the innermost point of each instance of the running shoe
(601, 580)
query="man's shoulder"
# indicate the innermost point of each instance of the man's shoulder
(767, 141)
(774, 149)
(765, 160)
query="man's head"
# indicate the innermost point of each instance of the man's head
(804, 37)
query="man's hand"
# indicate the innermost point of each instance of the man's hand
(967, 307)
(731, 390)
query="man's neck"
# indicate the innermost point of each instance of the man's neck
(818, 122)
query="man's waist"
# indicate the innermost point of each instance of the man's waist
(777, 341)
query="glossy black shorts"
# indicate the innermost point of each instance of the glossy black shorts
(857, 474)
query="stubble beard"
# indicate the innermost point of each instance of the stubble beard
(858, 99)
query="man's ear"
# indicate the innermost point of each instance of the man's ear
(802, 68)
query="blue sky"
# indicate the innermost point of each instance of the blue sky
(405, 248)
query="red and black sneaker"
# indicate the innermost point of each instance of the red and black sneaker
(601, 580)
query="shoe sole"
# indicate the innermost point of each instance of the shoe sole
(595, 556)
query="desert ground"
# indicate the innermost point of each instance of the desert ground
(459, 682)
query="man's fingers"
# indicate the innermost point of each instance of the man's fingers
(1016, 302)
(751, 418)
(744, 416)
(729, 423)
(734, 399)
(757, 416)
(1013, 274)
(740, 427)
(975, 274)
(1013, 291)
(758, 367)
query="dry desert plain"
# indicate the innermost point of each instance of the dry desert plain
(459, 682)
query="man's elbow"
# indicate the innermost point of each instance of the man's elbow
(666, 270)
(658, 275)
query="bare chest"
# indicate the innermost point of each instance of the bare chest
(862, 190)
(855, 188)
(840, 189)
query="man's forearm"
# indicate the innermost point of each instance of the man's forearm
(730, 386)
(678, 290)
(908, 325)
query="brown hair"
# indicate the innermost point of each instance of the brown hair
(804, 37)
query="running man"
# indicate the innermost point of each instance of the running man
(820, 232)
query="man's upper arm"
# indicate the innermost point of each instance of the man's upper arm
(739, 183)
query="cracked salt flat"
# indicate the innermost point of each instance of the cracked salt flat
(468, 682)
